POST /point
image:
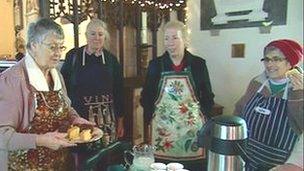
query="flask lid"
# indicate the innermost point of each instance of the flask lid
(227, 127)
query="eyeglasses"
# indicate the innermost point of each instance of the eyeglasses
(274, 59)
(54, 47)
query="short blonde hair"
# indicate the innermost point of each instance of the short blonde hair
(178, 25)
(99, 23)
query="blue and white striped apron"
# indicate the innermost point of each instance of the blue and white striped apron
(271, 139)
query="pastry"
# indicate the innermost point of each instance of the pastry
(85, 135)
(80, 133)
(73, 132)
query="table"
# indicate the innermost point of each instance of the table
(89, 160)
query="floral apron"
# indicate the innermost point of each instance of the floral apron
(51, 111)
(271, 138)
(177, 118)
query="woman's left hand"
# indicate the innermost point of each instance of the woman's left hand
(296, 80)
(120, 128)
(82, 121)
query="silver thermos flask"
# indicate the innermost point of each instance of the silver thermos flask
(224, 137)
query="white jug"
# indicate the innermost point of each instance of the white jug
(143, 157)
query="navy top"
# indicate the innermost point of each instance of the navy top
(70, 67)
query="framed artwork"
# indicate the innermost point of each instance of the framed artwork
(225, 14)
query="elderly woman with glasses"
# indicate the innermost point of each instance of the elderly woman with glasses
(34, 105)
(273, 109)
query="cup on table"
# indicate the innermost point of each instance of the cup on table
(174, 166)
(158, 167)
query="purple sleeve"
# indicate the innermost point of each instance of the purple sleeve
(12, 140)
(12, 111)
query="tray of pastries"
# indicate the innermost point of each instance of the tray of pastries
(83, 134)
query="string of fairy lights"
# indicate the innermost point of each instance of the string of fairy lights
(161, 4)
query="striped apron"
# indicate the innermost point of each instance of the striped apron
(271, 139)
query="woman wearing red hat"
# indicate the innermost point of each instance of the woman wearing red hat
(273, 109)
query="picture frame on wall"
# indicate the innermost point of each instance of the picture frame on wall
(227, 14)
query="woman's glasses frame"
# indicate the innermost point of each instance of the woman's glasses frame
(275, 59)
(54, 47)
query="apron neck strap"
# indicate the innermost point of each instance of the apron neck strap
(84, 57)
(262, 86)
(285, 95)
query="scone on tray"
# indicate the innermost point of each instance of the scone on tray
(75, 133)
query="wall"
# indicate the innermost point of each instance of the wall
(69, 34)
(7, 33)
(230, 76)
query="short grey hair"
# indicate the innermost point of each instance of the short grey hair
(178, 25)
(99, 23)
(37, 31)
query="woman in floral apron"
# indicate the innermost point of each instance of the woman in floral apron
(34, 105)
(177, 99)
(273, 108)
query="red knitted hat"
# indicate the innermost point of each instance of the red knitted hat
(292, 51)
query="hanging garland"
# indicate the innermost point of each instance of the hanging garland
(161, 4)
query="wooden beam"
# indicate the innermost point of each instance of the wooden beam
(44, 8)
(76, 23)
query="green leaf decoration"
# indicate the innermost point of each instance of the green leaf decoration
(173, 97)
(158, 139)
(187, 145)
(162, 148)
(171, 118)
(158, 144)
(162, 108)
(194, 147)
(158, 147)
(191, 133)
